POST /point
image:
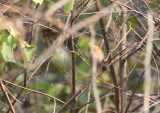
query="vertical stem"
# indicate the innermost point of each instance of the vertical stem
(36, 96)
(25, 75)
(94, 85)
(30, 40)
(117, 97)
(89, 96)
(94, 73)
(123, 63)
(148, 78)
(73, 65)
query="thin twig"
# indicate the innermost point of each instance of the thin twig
(117, 97)
(78, 108)
(30, 40)
(19, 94)
(6, 95)
(138, 85)
(33, 91)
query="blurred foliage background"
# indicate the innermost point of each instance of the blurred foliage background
(55, 75)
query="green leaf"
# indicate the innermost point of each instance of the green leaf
(55, 90)
(38, 1)
(84, 43)
(1, 31)
(68, 6)
(27, 52)
(8, 44)
(152, 5)
(1, 56)
(4, 33)
(14, 32)
(133, 21)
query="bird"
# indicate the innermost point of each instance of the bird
(97, 54)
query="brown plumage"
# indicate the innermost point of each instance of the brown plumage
(97, 54)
